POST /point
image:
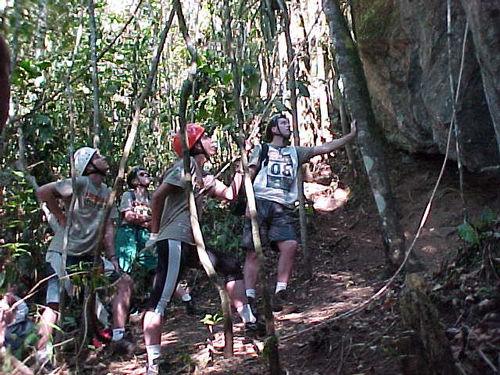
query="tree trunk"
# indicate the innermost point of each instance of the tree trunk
(96, 128)
(427, 350)
(187, 89)
(274, 362)
(344, 123)
(132, 134)
(292, 84)
(41, 30)
(370, 137)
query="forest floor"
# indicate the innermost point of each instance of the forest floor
(349, 266)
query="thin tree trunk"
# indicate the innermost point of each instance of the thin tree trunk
(369, 135)
(274, 363)
(96, 126)
(187, 89)
(77, 76)
(41, 29)
(293, 102)
(345, 129)
(132, 134)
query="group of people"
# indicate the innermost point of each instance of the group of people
(162, 222)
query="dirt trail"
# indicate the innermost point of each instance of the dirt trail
(349, 267)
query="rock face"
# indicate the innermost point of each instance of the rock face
(404, 49)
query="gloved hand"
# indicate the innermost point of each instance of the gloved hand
(153, 237)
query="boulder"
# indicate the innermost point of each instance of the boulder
(404, 49)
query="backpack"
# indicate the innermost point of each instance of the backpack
(239, 206)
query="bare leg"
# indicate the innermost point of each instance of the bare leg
(47, 322)
(121, 302)
(152, 328)
(236, 292)
(287, 249)
(251, 269)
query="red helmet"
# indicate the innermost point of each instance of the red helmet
(193, 133)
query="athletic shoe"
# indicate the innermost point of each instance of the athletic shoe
(281, 302)
(280, 299)
(256, 329)
(159, 366)
(190, 307)
(252, 303)
(153, 370)
(122, 347)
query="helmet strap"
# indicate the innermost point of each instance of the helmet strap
(96, 170)
(202, 152)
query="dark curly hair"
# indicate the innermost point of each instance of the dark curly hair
(133, 174)
(268, 137)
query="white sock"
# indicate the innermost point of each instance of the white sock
(43, 355)
(246, 314)
(118, 334)
(250, 293)
(154, 352)
(280, 286)
(186, 297)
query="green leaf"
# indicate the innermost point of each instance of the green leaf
(303, 90)
(468, 233)
(487, 217)
(43, 65)
(280, 107)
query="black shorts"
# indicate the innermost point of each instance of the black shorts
(276, 223)
(174, 257)
(85, 264)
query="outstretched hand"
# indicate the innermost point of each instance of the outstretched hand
(354, 128)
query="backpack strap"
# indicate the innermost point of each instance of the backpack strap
(132, 193)
(263, 158)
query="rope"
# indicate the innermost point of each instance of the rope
(453, 103)
(425, 216)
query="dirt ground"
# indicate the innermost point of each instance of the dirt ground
(349, 266)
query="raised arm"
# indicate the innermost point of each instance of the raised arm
(229, 193)
(47, 193)
(337, 143)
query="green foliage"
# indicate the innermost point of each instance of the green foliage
(468, 233)
(19, 219)
(212, 320)
(221, 230)
(375, 18)
(473, 233)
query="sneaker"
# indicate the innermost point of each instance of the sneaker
(105, 334)
(190, 307)
(281, 302)
(122, 347)
(256, 329)
(252, 303)
(159, 366)
(153, 370)
(280, 299)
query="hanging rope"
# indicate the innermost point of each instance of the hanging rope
(425, 216)
(453, 103)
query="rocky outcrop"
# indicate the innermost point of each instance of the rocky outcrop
(403, 46)
(484, 19)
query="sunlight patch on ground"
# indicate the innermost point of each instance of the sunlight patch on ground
(429, 249)
(169, 338)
